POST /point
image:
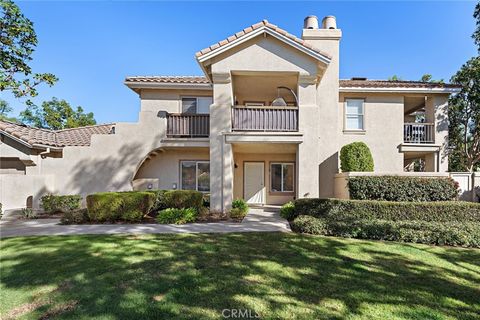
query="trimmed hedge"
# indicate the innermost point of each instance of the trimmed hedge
(287, 211)
(441, 211)
(183, 199)
(440, 233)
(75, 217)
(119, 206)
(52, 203)
(395, 188)
(356, 156)
(177, 216)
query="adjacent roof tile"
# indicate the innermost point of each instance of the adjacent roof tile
(393, 84)
(263, 23)
(343, 83)
(54, 138)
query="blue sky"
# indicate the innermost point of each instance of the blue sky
(91, 46)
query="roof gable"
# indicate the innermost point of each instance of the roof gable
(263, 27)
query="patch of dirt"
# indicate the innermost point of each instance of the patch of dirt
(59, 309)
(158, 297)
(24, 309)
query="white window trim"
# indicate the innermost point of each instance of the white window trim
(196, 173)
(345, 114)
(281, 181)
(196, 103)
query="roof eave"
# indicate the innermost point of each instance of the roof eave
(159, 85)
(264, 29)
(400, 90)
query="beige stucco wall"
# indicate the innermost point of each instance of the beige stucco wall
(16, 189)
(266, 158)
(383, 121)
(165, 166)
(155, 100)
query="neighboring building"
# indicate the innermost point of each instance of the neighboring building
(265, 123)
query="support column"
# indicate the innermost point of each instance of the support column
(307, 153)
(436, 110)
(221, 154)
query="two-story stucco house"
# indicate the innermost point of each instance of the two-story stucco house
(265, 123)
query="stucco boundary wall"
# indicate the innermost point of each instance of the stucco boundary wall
(468, 182)
(20, 191)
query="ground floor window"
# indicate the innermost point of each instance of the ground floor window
(195, 175)
(281, 177)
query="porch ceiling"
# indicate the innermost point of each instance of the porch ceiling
(264, 148)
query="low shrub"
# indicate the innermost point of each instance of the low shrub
(440, 233)
(52, 203)
(159, 202)
(395, 188)
(119, 206)
(177, 216)
(287, 211)
(239, 209)
(309, 224)
(78, 216)
(356, 156)
(183, 199)
(28, 213)
(441, 211)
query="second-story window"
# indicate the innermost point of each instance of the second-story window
(354, 114)
(199, 105)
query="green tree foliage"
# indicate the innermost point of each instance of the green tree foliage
(428, 78)
(476, 34)
(394, 78)
(17, 44)
(56, 114)
(356, 157)
(5, 109)
(464, 118)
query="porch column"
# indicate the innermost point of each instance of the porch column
(307, 154)
(221, 154)
(436, 110)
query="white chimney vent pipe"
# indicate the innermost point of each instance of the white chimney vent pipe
(329, 22)
(310, 22)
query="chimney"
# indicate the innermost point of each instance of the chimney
(310, 22)
(329, 22)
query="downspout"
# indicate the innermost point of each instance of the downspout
(42, 155)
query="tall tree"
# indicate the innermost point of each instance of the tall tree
(5, 110)
(464, 112)
(56, 114)
(464, 118)
(476, 34)
(17, 44)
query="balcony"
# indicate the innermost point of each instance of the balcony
(181, 125)
(422, 133)
(265, 119)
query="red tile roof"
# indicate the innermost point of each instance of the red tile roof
(54, 138)
(168, 79)
(343, 83)
(265, 24)
(393, 84)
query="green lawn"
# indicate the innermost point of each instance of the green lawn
(197, 276)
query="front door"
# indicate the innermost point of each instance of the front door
(254, 182)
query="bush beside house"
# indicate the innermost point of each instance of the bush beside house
(177, 216)
(239, 209)
(119, 206)
(53, 204)
(397, 188)
(357, 157)
(451, 223)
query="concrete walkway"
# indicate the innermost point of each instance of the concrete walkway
(259, 219)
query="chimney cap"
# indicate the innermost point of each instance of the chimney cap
(310, 22)
(329, 22)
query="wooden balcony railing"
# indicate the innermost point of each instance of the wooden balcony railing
(419, 133)
(188, 125)
(265, 119)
